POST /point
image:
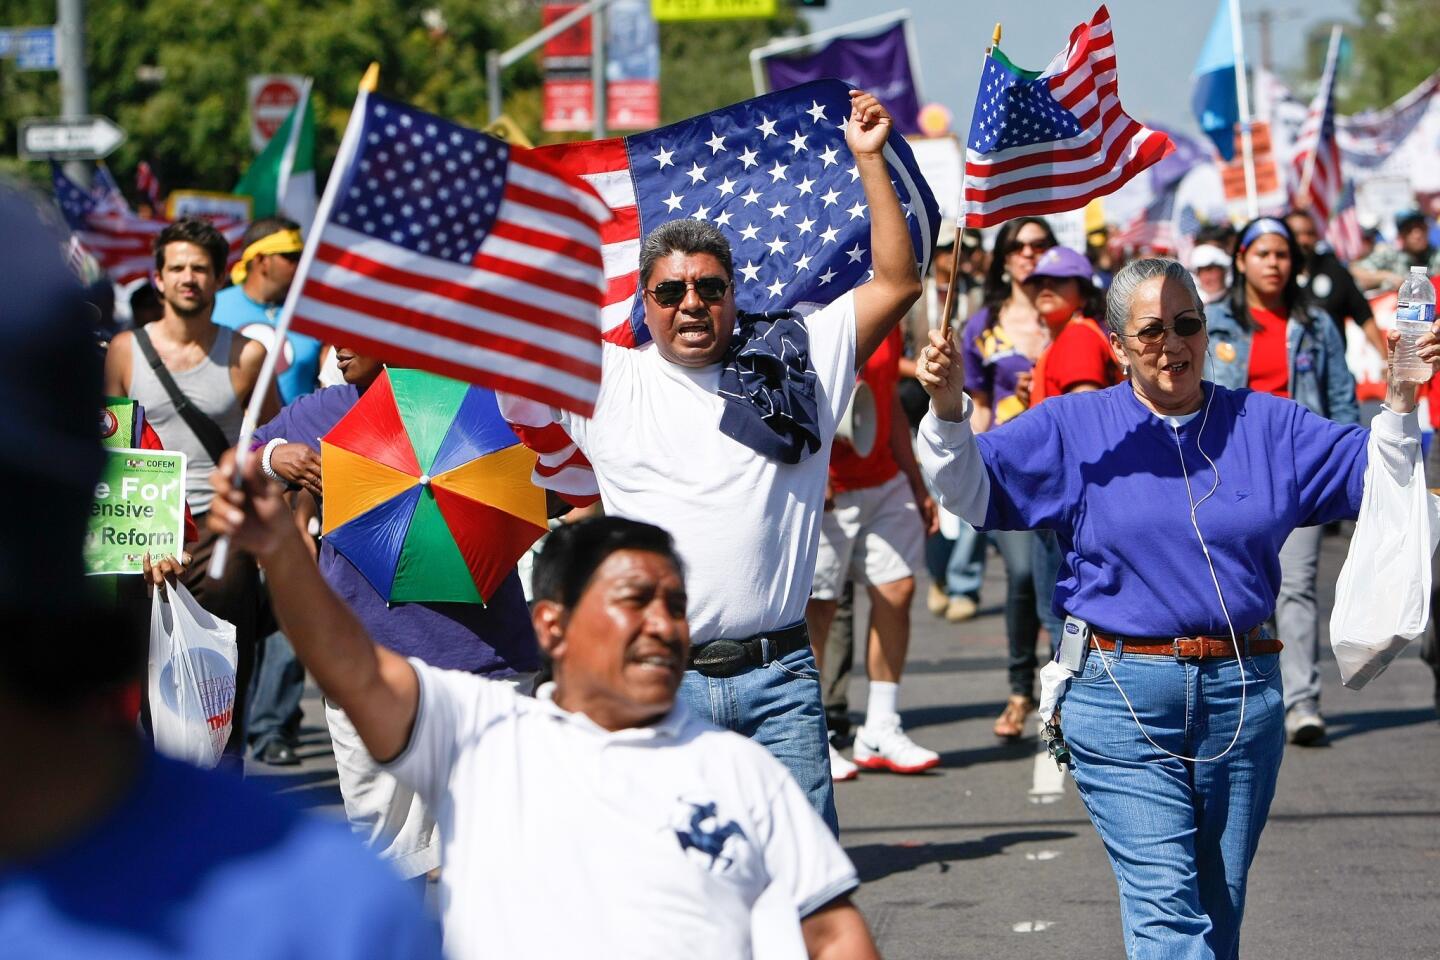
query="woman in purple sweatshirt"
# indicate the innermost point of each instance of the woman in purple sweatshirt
(1170, 497)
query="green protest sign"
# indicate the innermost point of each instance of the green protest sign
(139, 508)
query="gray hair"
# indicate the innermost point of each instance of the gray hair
(684, 236)
(1122, 289)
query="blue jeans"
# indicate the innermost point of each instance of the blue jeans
(278, 689)
(966, 570)
(1046, 562)
(1180, 835)
(777, 706)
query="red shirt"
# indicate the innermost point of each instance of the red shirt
(1080, 354)
(1269, 354)
(848, 470)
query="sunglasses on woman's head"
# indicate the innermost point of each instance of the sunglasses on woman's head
(1183, 326)
(669, 293)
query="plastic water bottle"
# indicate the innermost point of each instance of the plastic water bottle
(1413, 316)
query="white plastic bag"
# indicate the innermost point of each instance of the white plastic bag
(1382, 599)
(192, 678)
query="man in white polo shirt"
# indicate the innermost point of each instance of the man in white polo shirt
(721, 435)
(600, 819)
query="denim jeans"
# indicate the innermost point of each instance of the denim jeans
(965, 571)
(278, 689)
(1046, 562)
(1022, 624)
(1180, 834)
(1297, 616)
(777, 706)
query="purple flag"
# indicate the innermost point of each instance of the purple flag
(879, 64)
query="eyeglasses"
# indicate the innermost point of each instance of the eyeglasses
(293, 257)
(1183, 327)
(669, 293)
(1031, 246)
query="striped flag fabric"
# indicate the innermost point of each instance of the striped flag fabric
(1047, 141)
(149, 185)
(1153, 226)
(1343, 233)
(774, 174)
(1316, 160)
(121, 242)
(446, 249)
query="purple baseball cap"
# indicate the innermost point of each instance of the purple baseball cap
(1062, 263)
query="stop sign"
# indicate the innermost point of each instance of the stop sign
(272, 97)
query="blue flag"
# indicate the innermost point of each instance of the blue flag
(1216, 105)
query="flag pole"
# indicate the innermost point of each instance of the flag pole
(1302, 197)
(1242, 95)
(348, 144)
(960, 227)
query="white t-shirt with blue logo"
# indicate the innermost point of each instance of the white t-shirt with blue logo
(562, 839)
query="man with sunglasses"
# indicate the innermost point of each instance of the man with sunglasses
(721, 435)
(270, 253)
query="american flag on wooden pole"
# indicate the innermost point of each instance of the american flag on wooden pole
(1317, 153)
(442, 248)
(1052, 140)
(446, 249)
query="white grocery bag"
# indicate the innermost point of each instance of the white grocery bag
(192, 678)
(1382, 599)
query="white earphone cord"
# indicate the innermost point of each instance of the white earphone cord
(1234, 641)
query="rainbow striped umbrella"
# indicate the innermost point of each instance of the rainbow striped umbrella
(427, 490)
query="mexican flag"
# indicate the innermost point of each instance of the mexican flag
(281, 181)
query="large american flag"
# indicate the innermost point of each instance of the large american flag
(121, 242)
(448, 250)
(774, 173)
(1316, 160)
(1053, 140)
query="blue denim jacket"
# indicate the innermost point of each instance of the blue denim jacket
(1319, 376)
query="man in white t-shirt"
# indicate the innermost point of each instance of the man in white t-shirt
(600, 819)
(669, 446)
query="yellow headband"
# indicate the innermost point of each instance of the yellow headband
(282, 241)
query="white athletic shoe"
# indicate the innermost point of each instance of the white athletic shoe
(886, 747)
(840, 768)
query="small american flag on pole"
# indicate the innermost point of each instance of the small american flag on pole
(149, 185)
(1053, 140)
(1316, 160)
(121, 242)
(449, 250)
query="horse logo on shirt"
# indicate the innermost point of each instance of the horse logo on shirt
(707, 834)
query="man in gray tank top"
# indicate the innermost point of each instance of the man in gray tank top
(212, 371)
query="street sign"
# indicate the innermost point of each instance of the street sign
(69, 138)
(32, 48)
(671, 10)
(272, 97)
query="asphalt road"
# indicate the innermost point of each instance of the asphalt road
(970, 861)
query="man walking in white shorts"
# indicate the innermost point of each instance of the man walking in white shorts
(875, 533)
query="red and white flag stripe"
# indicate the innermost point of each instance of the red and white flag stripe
(605, 166)
(1059, 175)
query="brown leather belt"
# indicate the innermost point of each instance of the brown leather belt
(1187, 648)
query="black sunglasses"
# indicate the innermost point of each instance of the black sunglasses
(1183, 326)
(669, 293)
(1034, 246)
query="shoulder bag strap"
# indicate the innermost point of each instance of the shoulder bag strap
(206, 431)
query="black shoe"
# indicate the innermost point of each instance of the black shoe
(278, 753)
